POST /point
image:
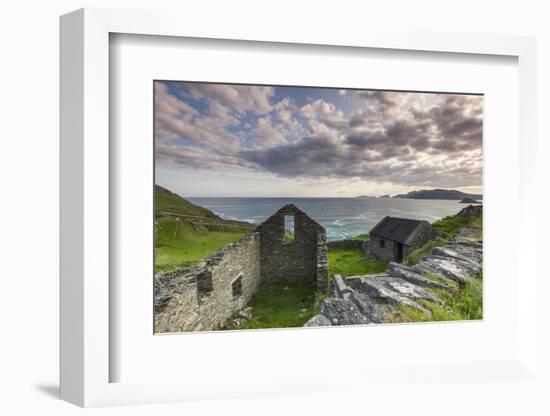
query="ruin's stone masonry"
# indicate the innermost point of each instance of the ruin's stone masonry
(298, 260)
(203, 298)
(346, 244)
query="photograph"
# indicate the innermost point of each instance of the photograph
(281, 206)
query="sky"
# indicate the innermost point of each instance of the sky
(221, 140)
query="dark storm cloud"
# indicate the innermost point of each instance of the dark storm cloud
(391, 151)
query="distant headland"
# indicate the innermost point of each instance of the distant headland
(449, 194)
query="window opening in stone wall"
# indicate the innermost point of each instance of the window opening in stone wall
(237, 287)
(204, 284)
(382, 243)
(288, 237)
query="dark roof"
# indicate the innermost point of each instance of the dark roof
(396, 229)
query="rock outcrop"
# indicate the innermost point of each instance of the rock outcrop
(468, 201)
(368, 299)
(342, 312)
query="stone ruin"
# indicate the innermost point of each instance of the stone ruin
(206, 296)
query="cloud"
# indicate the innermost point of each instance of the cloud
(240, 98)
(266, 134)
(180, 126)
(403, 138)
(386, 99)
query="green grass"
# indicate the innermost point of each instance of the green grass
(281, 305)
(441, 279)
(288, 237)
(350, 262)
(448, 227)
(284, 305)
(426, 249)
(180, 243)
(477, 225)
(465, 306)
(363, 237)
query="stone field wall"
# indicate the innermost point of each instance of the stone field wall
(203, 298)
(346, 244)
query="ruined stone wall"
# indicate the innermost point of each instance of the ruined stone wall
(303, 259)
(321, 284)
(204, 298)
(181, 310)
(346, 244)
(240, 260)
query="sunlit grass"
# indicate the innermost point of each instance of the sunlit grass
(182, 244)
(466, 305)
(281, 305)
(350, 262)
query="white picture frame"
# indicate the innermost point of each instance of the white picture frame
(85, 208)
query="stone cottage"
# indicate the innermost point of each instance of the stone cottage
(393, 239)
(288, 246)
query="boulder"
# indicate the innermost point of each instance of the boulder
(381, 293)
(467, 241)
(373, 311)
(445, 267)
(472, 267)
(468, 201)
(470, 252)
(246, 313)
(448, 252)
(406, 273)
(318, 320)
(341, 290)
(471, 211)
(342, 312)
(408, 289)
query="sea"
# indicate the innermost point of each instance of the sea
(341, 217)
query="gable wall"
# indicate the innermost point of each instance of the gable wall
(303, 259)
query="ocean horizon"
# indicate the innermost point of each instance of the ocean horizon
(342, 217)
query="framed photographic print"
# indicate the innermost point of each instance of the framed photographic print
(247, 215)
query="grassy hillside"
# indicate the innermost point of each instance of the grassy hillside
(185, 233)
(169, 202)
(447, 228)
